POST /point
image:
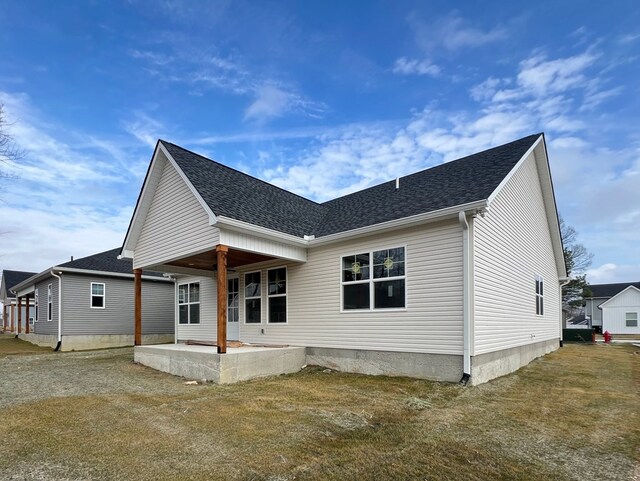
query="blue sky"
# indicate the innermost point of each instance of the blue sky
(322, 98)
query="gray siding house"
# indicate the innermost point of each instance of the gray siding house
(10, 315)
(452, 273)
(88, 303)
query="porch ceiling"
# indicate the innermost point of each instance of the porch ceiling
(207, 260)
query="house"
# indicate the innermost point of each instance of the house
(620, 312)
(600, 294)
(88, 303)
(12, 319)
(450, 273)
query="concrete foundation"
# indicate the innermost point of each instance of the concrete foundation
(86, 343)
(204, 363)
(436, 367)
(485, 367)
(47, 340)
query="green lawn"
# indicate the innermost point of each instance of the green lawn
(572, 415)
(9, 345)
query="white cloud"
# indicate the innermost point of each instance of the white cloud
(609, 272)
(71, 193)
(272, 102)
(405, 66)
(453, 33)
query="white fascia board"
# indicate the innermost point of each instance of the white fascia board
(611, 298)
(258, 231)
(194, 191)
(512, 172)
(72, 270)
(433, 216)
(135, 227)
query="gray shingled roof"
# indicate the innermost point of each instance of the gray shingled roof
(13, 278)
(233, 194)
(610, 290)
(105, 262)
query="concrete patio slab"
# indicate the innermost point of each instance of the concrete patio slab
(204, 363)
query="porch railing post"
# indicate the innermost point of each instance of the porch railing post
(221, 266)
(19, 314)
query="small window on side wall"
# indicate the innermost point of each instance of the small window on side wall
(631, 319)
(539, 296)
(97, 295)
(189, 303)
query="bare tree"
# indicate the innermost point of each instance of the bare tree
(577, 259)
(9, 151)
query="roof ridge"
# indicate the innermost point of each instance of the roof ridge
(240, 172)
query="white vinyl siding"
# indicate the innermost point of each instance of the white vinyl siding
(176, 224)
(430, 323)
(207, 329)
(512, 244)
(619, 312)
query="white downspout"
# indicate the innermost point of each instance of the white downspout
(59, 277)
(466, 298)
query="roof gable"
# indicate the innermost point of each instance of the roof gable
(630, 290)
(13, 278)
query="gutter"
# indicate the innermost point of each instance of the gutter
(59, 277)
(466, 298)
(563, 281)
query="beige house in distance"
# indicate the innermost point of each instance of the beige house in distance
(452, 273)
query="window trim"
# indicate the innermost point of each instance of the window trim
(189, 304)
(285, 295)
(49, 302)
(626, 319)
(539, 295)
(245, 298)
(372, 281)
(103, 295)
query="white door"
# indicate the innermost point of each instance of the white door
(233, 309)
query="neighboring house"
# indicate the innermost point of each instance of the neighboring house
(621, 313)
(452, 272)
(600, 294)
(94, 308)
(9, 301)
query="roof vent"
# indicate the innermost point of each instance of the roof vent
(71, 258)
(397, 183)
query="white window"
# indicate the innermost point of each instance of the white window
(277, 295)
(374, 280)
(539, 296)
(97, 295)
(252, 298)
(631, 319)
(49, 303)
(35, 304)
(189, 303)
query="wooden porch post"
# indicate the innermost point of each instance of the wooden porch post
(12, 310)
(221, 253)
(5, 313)
(137, 287)
(26, 325)
(19, 314)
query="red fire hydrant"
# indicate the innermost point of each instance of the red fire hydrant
(607, 336)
